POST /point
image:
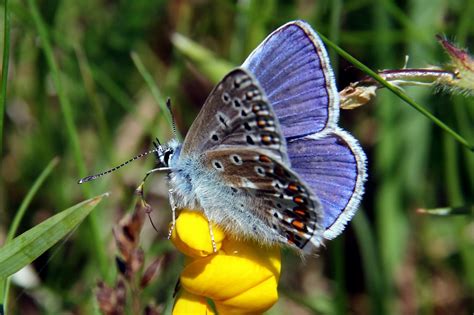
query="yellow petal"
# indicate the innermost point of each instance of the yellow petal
(223, 276)
(191, 234)
(266, 256)
(188, 303)
(242, 277)
(256, 300)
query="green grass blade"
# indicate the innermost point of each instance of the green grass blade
(91, 92)
(110, 87)
(6, 57)
(29, 196)
(25, 248)
(4, 285)
(395, 90)
(66, 107)
(3, 101)
(371, 264)
(71, 130)
(153, 88)
(399, 15)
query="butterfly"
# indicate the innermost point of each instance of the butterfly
(265, 158)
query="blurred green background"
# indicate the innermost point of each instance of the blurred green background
(75, 92)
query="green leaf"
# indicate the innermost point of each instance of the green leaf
(4, 284)
(155, 92)
(25, 248)
(5, 63)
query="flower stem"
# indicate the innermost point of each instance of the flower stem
(395, 90)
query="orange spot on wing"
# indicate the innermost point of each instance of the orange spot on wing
(267, 139)
(264, 159)
(293, 187)
(298, 224)
(300, 212)
(299, 200)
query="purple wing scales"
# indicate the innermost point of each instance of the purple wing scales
(333, 166)
(293, 69)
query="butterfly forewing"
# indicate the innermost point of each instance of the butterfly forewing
(292, 67)
(278, 197)
(236, 112)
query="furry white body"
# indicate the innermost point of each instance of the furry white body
(197, 187)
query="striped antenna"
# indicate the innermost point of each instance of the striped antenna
(92, 177)
(173, 121)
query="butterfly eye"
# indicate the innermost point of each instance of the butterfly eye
(167, 156)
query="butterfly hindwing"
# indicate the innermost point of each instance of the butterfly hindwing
(273, 193)
(333, 166)
(236, 112)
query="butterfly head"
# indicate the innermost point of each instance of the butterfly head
(165, 153)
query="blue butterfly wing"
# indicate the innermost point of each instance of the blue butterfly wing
(292, 67)
(333, 166)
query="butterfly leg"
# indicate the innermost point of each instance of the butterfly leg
(211, 234)
(173, 213)
(139, 192)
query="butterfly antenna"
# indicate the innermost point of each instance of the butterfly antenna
(93, 177)
(173, 121)
(157, 144)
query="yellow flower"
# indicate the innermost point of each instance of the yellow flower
(240, 278)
